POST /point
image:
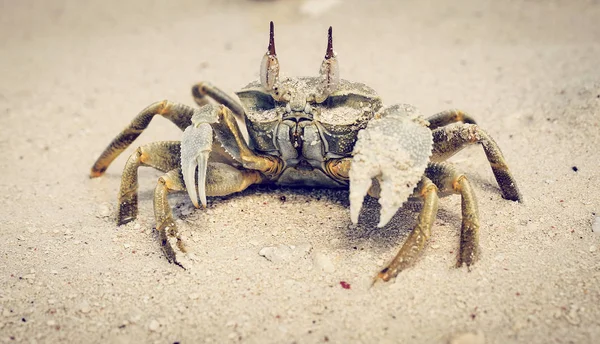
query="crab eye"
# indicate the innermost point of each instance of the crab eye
(353, 101)
(256, 101)
(260, 107)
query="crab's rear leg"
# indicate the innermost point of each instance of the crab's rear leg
(177, 113)
(447, 179)
(444, 178)
(163, 156)
(448, 117)
(417, 238)
(451, 139)
(221, 180)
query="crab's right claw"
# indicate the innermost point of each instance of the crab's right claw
(196, 145)
(393, 150)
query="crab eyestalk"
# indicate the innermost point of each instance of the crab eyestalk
(269, 66)
(329, 72)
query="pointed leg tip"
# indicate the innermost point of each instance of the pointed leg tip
(515, 197)
(124, 220)
(174, 261)
(96, 173)
(384, 275)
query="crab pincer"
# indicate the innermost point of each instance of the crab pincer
(393, 151)
(195, 149)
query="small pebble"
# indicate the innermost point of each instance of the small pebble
(323, 262)
(153, 325)
(276, 254)
(194, 296)
(593, 248)
(596, 225)
(302, 249)
(103, 210)
(84, 307)
(468, 338)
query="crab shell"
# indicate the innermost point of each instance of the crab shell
(339, 117)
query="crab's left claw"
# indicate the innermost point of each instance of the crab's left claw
(393, 150)
(196, 145)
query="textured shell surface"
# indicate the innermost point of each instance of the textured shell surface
(352, 103)
(337, 119)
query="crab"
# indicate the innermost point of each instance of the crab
(309, 131)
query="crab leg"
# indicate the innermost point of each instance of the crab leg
(448, 117)
(231, 138)
(177, 113)
(447, 179)
(418, 236)
(165, 225)
(163, 156)
(221, 180)
(450, 140)
(202, 89)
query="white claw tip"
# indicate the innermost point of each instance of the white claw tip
(354, 216)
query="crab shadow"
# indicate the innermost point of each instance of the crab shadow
(364, 233)
(396, 231)
(481, 183)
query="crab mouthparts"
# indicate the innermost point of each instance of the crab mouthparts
(298, 117)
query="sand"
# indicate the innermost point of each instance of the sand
(75, 73)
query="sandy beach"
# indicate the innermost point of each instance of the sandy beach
(285, 265)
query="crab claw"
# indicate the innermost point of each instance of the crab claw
(393, 150)
(196, 145)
